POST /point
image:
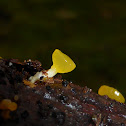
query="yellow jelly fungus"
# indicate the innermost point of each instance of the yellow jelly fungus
(4, 104)
(16, 97)
(7, 104)
(111, 93)
(61, 63)
(12, 106)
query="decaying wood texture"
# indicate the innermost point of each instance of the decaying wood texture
(53, 101)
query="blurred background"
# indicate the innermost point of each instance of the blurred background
(92, 33)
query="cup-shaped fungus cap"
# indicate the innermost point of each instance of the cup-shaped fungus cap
(61, 62)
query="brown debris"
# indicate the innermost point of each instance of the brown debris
(28, 83)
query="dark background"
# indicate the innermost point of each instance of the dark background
(92, 33)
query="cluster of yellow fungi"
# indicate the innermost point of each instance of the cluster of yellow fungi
(7, 104)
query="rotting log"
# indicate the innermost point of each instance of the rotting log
(53, 101)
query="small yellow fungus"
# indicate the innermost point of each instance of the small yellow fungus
(61, 64)
(111, 93)
(16, 97)
(12, 106)
(7, 104)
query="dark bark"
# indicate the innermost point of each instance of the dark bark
(55, 101)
